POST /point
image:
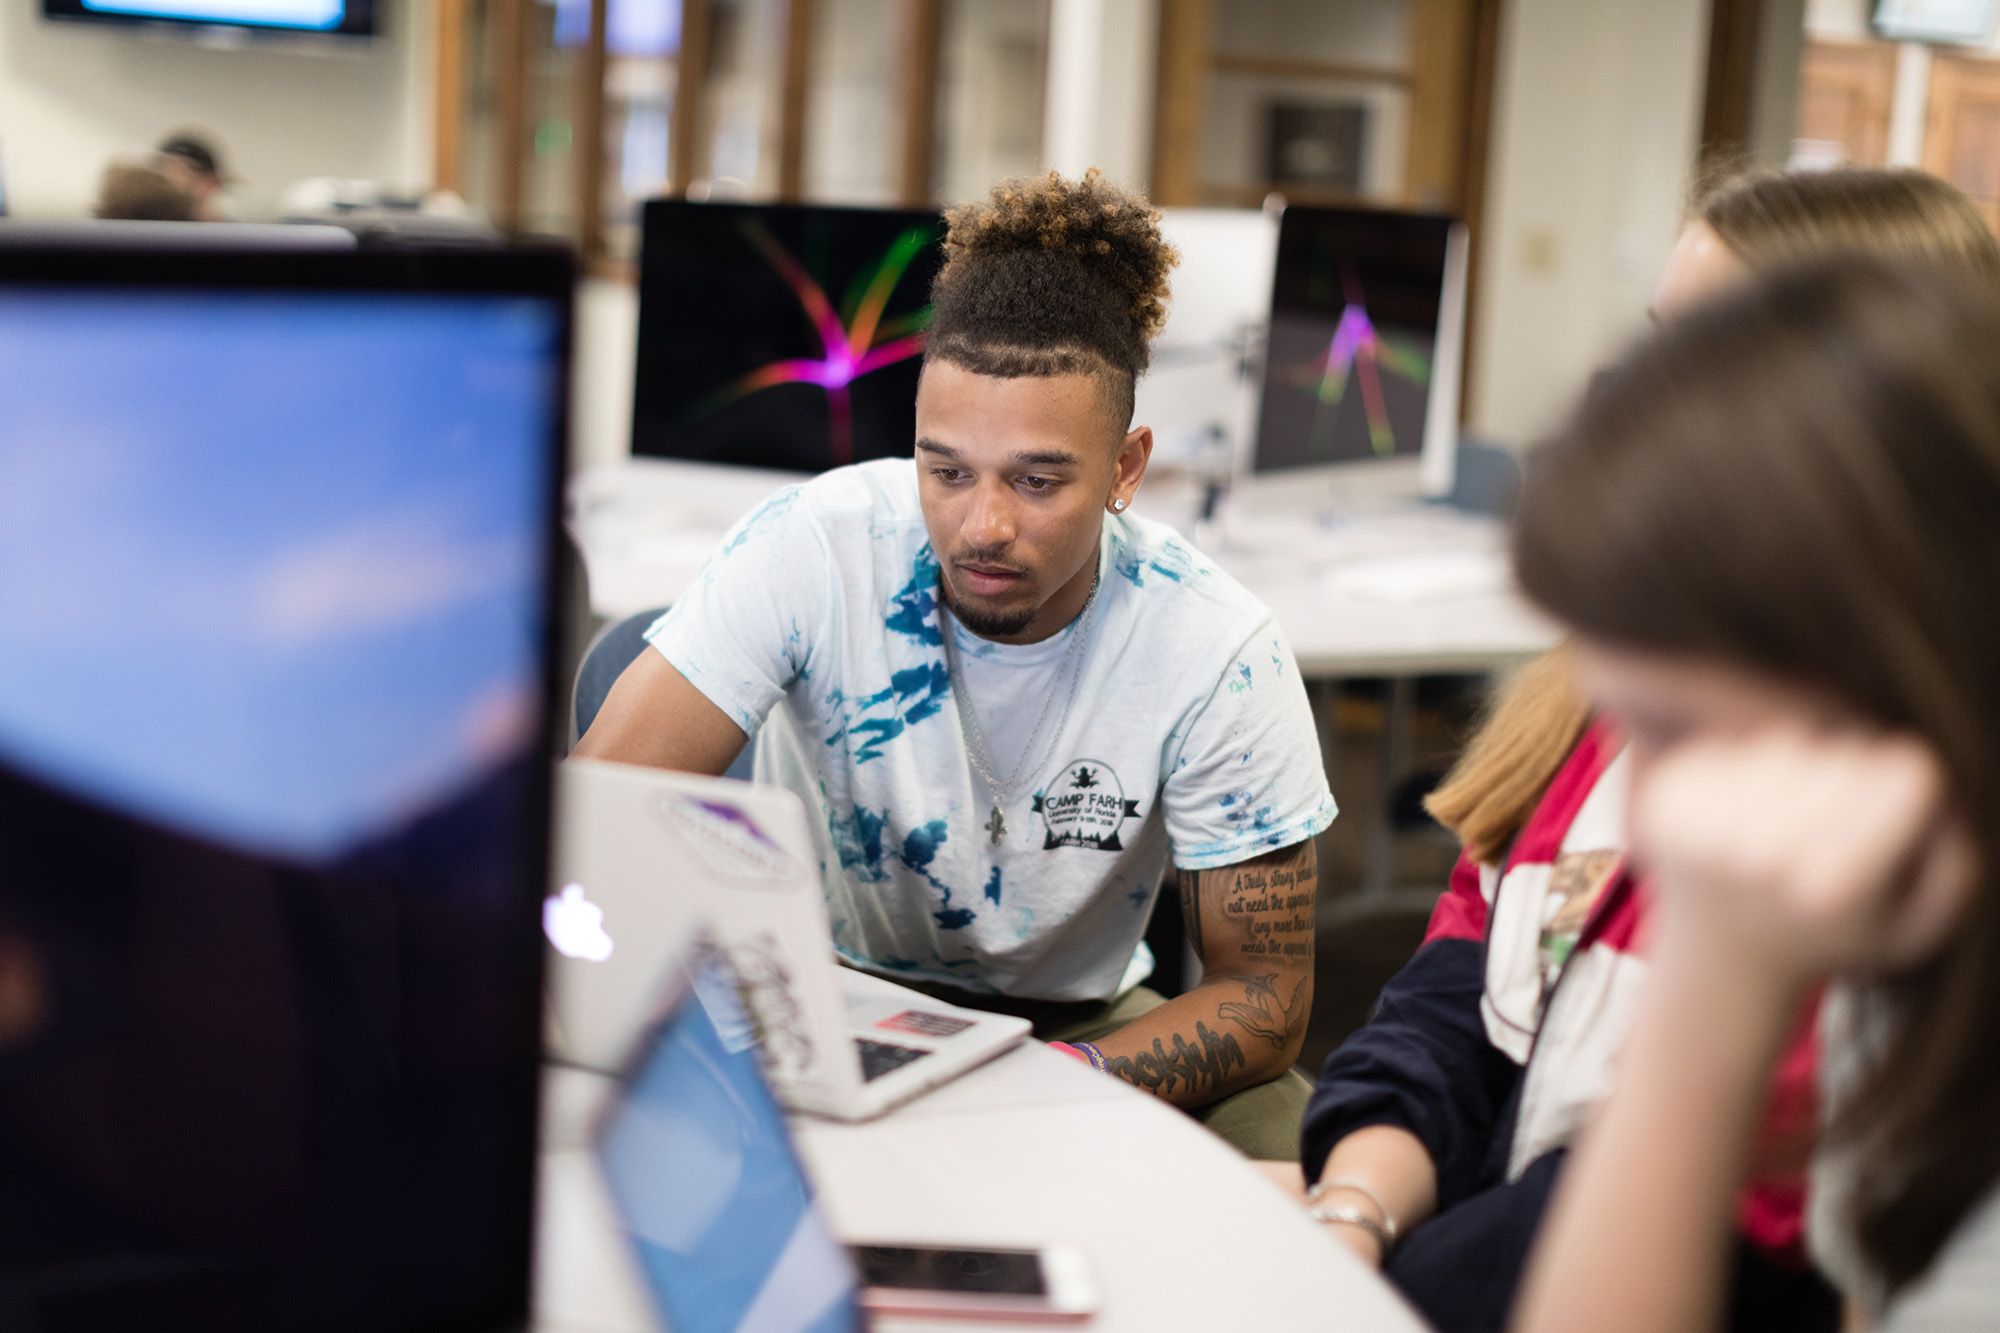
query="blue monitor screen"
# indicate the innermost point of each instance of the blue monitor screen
(353, 17)
(273, 770)
(709, 1189)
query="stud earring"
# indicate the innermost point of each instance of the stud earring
(1117, 506)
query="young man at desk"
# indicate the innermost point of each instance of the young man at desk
(1005, 699)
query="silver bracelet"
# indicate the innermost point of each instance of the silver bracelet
(1352, 1216)
(1385, 1227)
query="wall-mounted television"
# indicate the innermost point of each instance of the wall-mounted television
(1967, 21)
(347, 18)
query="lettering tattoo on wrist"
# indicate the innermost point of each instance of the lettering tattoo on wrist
(1186, 1067)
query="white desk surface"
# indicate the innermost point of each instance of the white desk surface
(1179, 1232)
(646, 525)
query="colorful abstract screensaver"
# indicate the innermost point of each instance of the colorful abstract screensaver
(746, 357)
(1353, 328)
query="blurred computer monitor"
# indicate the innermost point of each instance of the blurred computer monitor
(275, 700)
(706, 1183)
(1361, 369)
(781, 336)
(1198, 394)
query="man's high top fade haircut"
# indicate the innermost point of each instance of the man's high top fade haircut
(1053, 277)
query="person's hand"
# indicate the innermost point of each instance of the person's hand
(1801, 854)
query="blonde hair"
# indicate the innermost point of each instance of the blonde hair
(1766, 218)
(1528, 730)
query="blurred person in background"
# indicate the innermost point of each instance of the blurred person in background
(1438, 1130)
(134, 193)
(192, 159)
(1770, 530)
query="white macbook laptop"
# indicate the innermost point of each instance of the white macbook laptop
(644, 856)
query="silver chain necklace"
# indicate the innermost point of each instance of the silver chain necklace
(1002, 792)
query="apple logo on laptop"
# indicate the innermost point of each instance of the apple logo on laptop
(575, 925)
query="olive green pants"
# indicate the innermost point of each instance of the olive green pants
(1260, 1122)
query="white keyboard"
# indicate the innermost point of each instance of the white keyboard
(1423, 576)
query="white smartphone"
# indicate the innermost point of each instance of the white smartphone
(1050, 1285)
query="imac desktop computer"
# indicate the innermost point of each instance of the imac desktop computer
(1200, 395)
(276, 684)
(782, 337)
(1359, 400)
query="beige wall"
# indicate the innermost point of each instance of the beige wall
(1596, 125)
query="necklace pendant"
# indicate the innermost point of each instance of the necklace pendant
(997, 826)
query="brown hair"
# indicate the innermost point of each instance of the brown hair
(1771, 217)
(1801, 479)
(143, 194)
(1765, 218)
(1053, 277)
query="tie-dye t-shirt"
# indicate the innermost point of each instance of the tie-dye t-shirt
(817, 627)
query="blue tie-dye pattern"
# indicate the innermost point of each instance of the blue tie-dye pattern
(862, 849)
(857, 841)
(920, 849)
(1024, 923)
(993, 887)
(763, 515)
(913, 694)
(913, 609)
(1172, 562)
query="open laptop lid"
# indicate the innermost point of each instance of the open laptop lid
(275, 700)
(642, 855)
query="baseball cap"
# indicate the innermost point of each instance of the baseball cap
(200, 152)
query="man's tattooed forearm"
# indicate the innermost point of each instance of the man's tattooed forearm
(1189, 1068)
(1261, 1013)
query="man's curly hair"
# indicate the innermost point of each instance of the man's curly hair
(1053, 277)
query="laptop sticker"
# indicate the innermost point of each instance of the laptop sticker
(924, 1024)
(728, 842)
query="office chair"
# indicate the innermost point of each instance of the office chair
(616, 647)
(1486, 479)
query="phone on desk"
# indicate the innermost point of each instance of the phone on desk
(1050, 1284)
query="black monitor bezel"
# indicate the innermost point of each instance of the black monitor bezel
(1292, 219)
(545, 272)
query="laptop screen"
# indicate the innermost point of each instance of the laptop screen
(274, 708)
(709, 1188)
